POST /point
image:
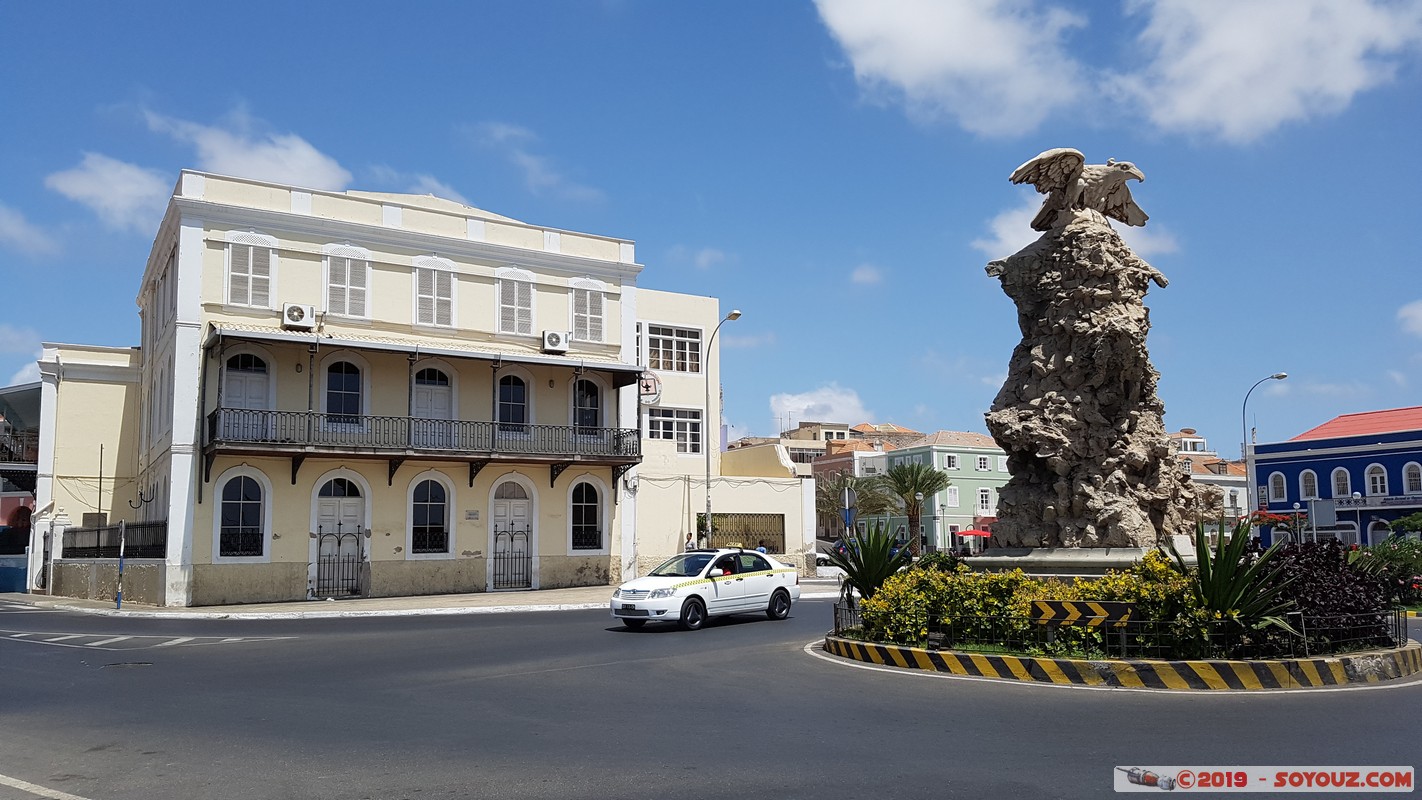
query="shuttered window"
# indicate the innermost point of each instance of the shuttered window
(249, 272)
(587, 314)
(515, 305)
(434, 297)
(347, 279)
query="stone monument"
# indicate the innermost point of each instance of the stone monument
(1091, 463)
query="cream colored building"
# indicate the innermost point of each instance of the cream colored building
(364, 394)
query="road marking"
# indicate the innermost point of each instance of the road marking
(103, 642)
(38, 791)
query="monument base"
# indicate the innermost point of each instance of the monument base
(1068, 562)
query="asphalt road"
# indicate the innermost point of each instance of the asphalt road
(570, 705)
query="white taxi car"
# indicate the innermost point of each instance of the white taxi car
(693, 586)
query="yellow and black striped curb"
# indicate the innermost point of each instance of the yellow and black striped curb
(1293, 673)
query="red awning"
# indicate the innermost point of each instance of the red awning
(974, 533)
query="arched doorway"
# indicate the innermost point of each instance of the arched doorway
(246, 393)
(511, 523)
(432, 404)
(340, 538)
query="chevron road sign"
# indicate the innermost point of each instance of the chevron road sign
(1081, 612)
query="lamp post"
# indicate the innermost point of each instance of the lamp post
(1358, 512)
(1297, 535)
(706, 433)
(938, 525)
(1244, 447)
(918, 534)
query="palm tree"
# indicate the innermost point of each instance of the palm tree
(872, 495)
(910, 483)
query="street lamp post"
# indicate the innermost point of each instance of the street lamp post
(706, 425)
(1297, 534)
(1244, 447)
(938, 525)
(1358, 512)
(918, 534)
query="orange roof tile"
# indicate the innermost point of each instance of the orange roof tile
(1365, 422)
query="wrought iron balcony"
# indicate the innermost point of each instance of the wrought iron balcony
(310, 432)
(19, 447)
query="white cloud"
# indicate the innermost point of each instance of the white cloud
(1410, 317)
(997, 67)
(124, 195)
(417, 183)
(1238, 70)
(29, 373)
(1011, 231)
(21, 234)
(15, 340)
(1344, 390)
(698, 257)
(1398, 377)
(867, 275)
(831, 403)
(539, 174)
(235, 150)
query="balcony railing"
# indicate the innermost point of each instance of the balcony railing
(282, 429)
(19, 447)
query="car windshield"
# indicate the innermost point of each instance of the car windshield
(686, 565)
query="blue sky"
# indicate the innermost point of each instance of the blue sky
(837, 171)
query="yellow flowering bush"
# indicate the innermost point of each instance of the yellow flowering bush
(995, 605)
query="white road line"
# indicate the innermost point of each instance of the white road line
(70, 636)
(179, 640)
(234, 639)
(38, 791)
(103, 642)
(19, 635)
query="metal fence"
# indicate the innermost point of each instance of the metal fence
(1311, 636)
(248, 426)
(141, 540)
(19, 447)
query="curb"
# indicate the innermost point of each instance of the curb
(1365, 667)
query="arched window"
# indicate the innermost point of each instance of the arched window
(1308, 485)
(587, 407)
(1342, 485)
(343, 393)
(1278, 490)
(1412, 479)
(587, 518)
(429, 512)
(241, 533)
(513, 405)
(1377, 480)
(340, 487)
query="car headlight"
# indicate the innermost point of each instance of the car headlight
(616, 593)
(658, 594)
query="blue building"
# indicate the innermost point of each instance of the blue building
(1351, 475)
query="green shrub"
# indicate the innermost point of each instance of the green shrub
(868, 559)
(939, 560)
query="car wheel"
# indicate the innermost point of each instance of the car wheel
(634, 624)
(693, 614)
(779, 606)
(822, 562)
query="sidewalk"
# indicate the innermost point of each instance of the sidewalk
(578, 598)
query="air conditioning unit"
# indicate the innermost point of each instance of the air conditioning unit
(297, 317)
(555, 341)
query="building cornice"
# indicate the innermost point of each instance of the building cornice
(418, 242)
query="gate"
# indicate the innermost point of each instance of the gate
(513, 563)
(338, 562)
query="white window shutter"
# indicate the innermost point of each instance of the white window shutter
(336, 285)
(580, 314)
(261, 277)
(594, 316)
(424, 294)
(444, 298)
(508, 300)
(356, 298)
(239, 274)
(525, 307)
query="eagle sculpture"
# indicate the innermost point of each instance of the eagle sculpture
(1071, 184)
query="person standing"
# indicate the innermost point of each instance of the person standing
(690, 542)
